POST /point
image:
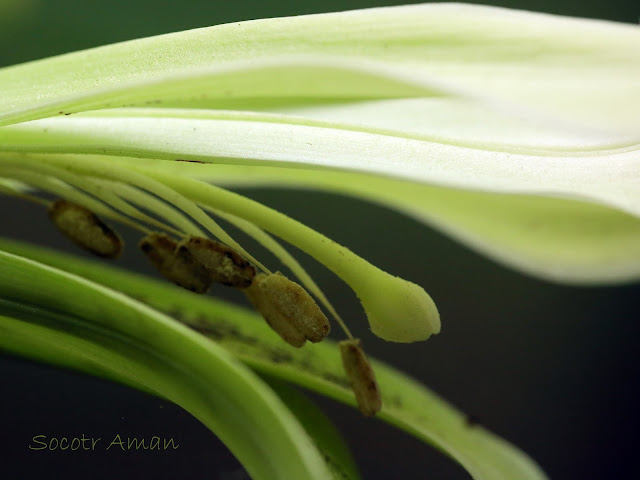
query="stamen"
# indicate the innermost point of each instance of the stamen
(113, 171)
(177, 265)
(84, 228)
(361, 376)
(224, 264)
(288, 308)
(279, 323)
(139, 197)
(118, 195)
(405, 313)
(285, 257)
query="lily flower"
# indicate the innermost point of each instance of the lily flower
(515, 133)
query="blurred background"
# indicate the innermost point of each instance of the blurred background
(553, 369)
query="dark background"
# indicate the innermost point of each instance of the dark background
(551, 368)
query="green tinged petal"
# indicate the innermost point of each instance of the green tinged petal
(519, 57)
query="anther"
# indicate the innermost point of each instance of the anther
(84, 228)
(288, 309)
(225, 265)
(177, 265)
(361, 376)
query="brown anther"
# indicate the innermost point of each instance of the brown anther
(84, 228)
(361, 376)
(225, 265)
(177, 265)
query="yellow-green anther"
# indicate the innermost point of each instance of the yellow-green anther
(85, 229)
(361, 376)
(288, 308)
(279, 323)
